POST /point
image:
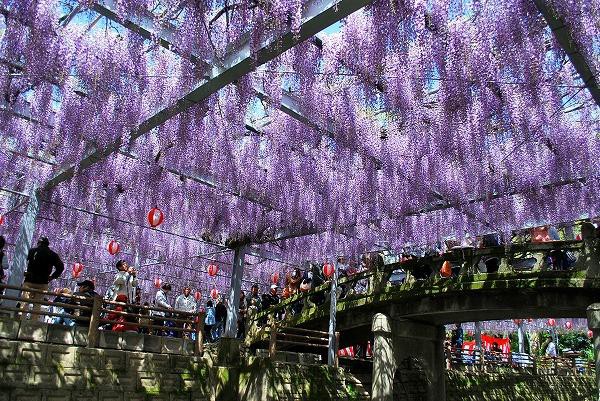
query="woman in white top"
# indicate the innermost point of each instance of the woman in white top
(160, 301)
(125, 282)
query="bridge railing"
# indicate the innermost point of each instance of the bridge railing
(513, 259)
(95, 316)
(478, 360)
(283, 338)
(356, 285)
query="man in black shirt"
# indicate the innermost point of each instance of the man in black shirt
(41, 260)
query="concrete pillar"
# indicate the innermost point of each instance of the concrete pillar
(521, 335)
(332, 346)
(231, 325)
(478, 335)
(384, 363)
(22, 246)
(438, 387)
(593, 317)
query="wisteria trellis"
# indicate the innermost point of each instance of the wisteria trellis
(413, 104)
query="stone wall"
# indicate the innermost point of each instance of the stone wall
(509, 386)
(48, 372)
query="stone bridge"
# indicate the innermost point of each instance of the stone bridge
(553, 279)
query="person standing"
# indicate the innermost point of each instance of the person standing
(125, 282)
(41, 260)
(209, 321)
(186, 303)
(254, 298)
(160, 301)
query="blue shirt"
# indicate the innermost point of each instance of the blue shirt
(210, 316)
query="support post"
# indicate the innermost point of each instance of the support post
(272, 338)
(593, 318)
(331, 350)
(384, 363)
(93, 332)
(521, 334)
(231, 326)
(199, 345)
(478, 346)
(22, 245)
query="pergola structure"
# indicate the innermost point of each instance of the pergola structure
(407, 123)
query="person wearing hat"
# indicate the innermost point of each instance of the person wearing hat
(41, 260)
(125, 282)
(86, 290)
(271, 298)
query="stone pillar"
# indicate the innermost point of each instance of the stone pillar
(384, 363)
(521, 334)
(231, 325)
(22, 245)
(478, 335)
(593, 317)
(438, 374)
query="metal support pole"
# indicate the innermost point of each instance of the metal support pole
(331, 352)
(231, 326)
(521, 334)
(22, 245)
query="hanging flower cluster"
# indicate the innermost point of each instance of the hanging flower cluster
(412, 123)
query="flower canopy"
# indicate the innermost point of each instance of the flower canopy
(256, 122)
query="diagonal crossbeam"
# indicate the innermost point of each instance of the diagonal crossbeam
(562, 32)
(317, 15)
(165, 35)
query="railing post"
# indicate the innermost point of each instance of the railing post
(199, 345)
(93, 332)
(273, 338)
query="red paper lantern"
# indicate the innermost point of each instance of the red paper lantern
(212, 270)
(590, 334)
(157, 282)
(446, 270)
(113, 247)
(568, 325)
(77, 267)
(328, 269)
(197, 295)
(155, 217)
(551, 322)
(275, 278)
(214, 293)
(2, 219)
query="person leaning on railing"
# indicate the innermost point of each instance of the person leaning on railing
(63, 297)
(186, 303)
(41, 260)
(86, 290)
